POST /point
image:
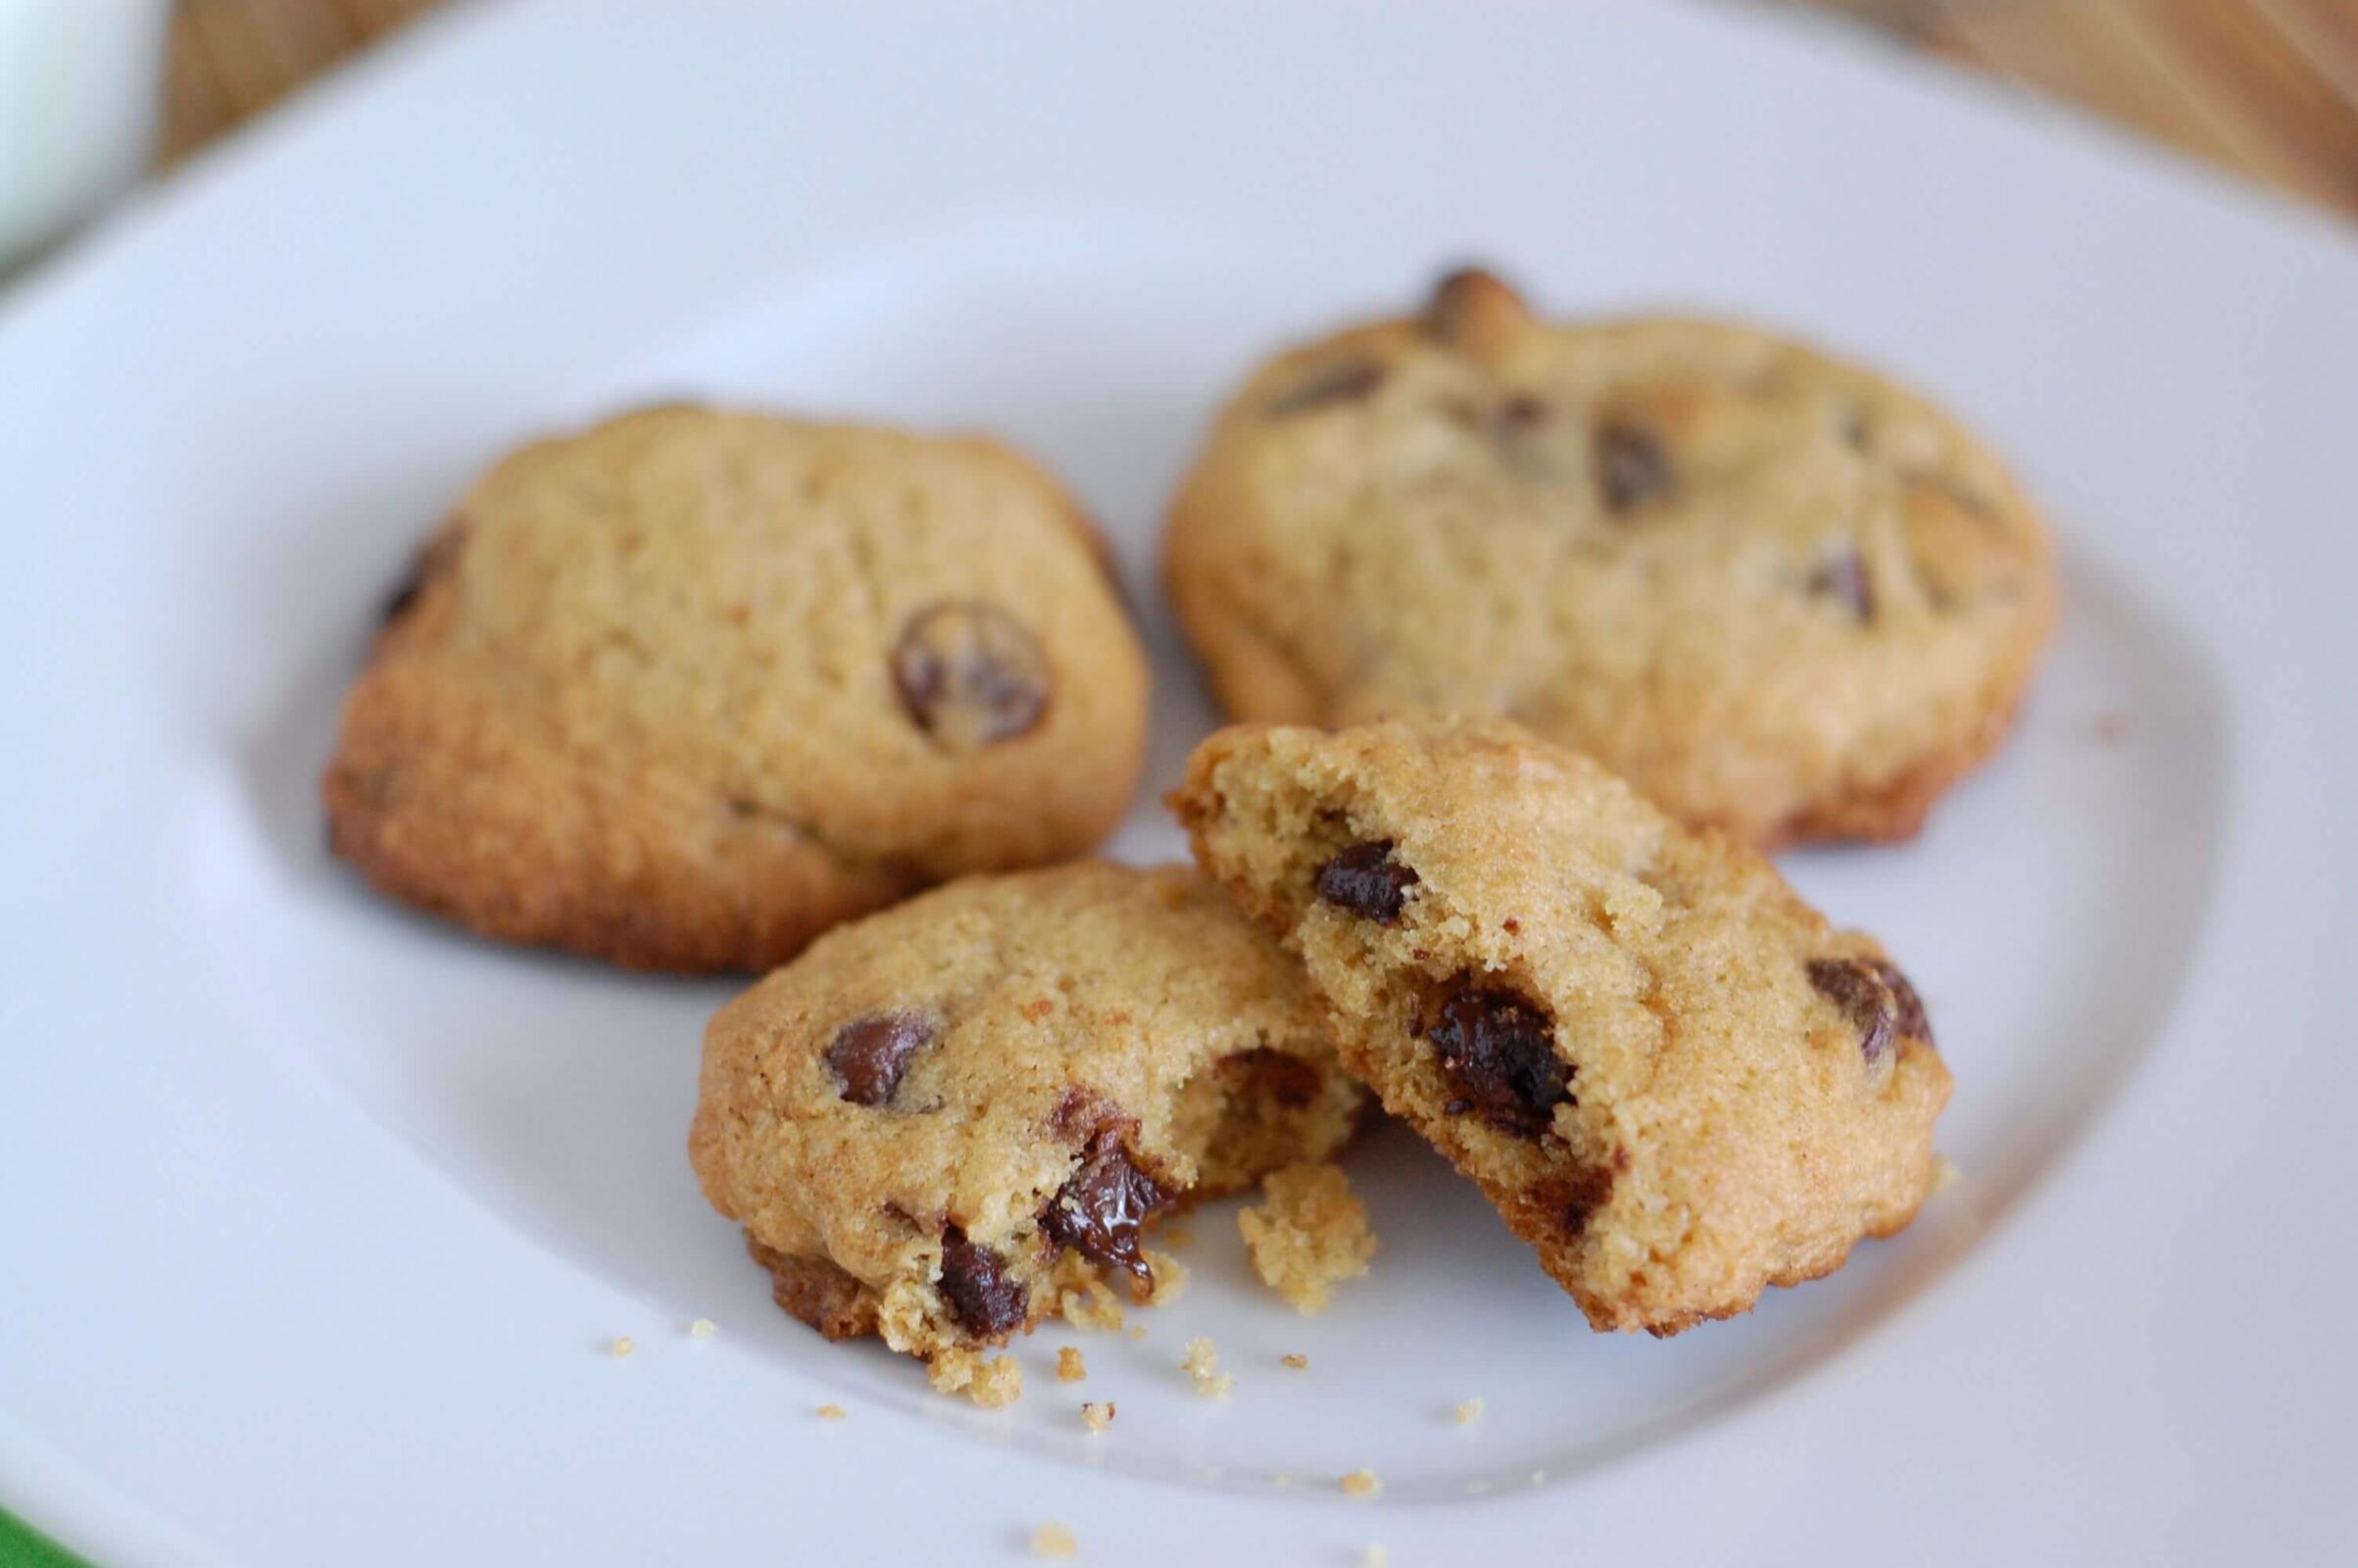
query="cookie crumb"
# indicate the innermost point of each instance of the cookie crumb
(1362, 1484)
(990, 1384)
(1298, 1361)
(1170, 1278)
(1070, 1368)
(1176, 1236)
(623, 1344)
(1138, 1332)
(1097, 1415)
(1055, 1539)
(1281, 1481)
(1086, 1302)
(701, 1329)
(1944, 1175)
(1373, 1555)
(1470, 1411)
(1202, 1363)
(830, 1412)
(1308, 1234)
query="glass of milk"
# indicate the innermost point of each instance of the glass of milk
(80, 84)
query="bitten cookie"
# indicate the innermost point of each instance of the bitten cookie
(942, 1120)
(686, 689)
(1778, 593)
(1676, 1080)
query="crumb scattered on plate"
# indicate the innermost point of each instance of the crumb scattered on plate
(623, 1344)
(830, 1412)
(1070, 1368)
(1055, 1539)
(1945, 1174)
(1308, 1235)
(1373, 1555)
(1097, 1415)
(1281, 1481)
(1176, 1236)
(991, 1383)
(1296, 1361)
(1202, 1364)
(1362, 1484)
(1138, 1332)
(1470, 1411)
(701, 1329)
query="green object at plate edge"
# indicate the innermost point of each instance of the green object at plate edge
(20, 1546)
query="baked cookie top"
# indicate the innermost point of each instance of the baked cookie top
(941, 1118)
(686, 688)
(1779, 593)
(1675, 1080)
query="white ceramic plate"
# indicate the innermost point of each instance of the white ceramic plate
(316, 1219)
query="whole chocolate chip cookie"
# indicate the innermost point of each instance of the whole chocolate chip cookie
(686, 689)
(1779, 594)
(942, 1120)
(1676, 1080)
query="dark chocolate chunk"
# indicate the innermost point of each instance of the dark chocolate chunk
(1632, 467)
(971, 675)
(1864, 989)
(1498, 1050)
(1343, 381)
(1367, 881)
(1098, 1210)
(868, 1054)
(976, 1283)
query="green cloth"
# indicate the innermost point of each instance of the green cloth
(20, 1547)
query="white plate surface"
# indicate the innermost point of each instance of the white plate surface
(316, 1219)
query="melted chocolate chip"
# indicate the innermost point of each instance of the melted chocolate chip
(1343, 381)
(868, 1054)
(1367, 881)
(976, 1283)
(1097, 1211)
(1632, 467)
(971, 675)
(1876, 998)
(1498, 1050)
(1843, 577)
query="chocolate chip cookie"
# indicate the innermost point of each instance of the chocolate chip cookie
(686, 689)
(1677, 1081)
(945, 1121)
(1778, 593)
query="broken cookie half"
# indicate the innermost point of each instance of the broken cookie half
(1677, 1081)
(949, 1120)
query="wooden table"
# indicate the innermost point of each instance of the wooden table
(2266, 87)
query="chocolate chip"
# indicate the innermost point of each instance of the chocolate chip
(1097, 1211)
(1343, 381)
(1876, 998)
(971, 675)
(868, 1054)
(1632, 467)
(1498, 1050)
(1576, 1195)
(1910, 1006)
(1843, 577)
(1367, 881)
(976, 1283)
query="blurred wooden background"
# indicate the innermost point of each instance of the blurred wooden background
(2266, 87)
